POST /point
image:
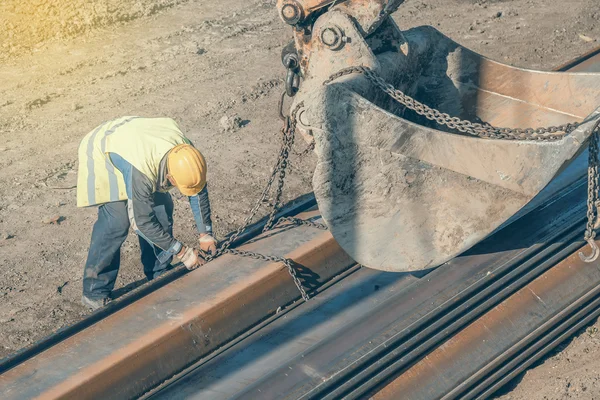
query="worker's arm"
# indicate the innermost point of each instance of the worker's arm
(140, 207)
(201, 209)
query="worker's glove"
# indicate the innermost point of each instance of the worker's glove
(208, 244)
(190, 258)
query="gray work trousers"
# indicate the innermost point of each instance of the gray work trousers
(109, 233)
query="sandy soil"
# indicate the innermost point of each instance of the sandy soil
(571, 372)
(66, 66)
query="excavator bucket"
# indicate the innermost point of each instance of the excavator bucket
(402, 193)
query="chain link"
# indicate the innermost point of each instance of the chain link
(309, 149)
(299, 221)
(592, 212)
(487, 131)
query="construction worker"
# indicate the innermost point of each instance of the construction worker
(126, 167)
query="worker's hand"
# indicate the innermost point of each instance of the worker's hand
(208, 244)
(190, 258)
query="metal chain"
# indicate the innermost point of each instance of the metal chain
(593, 202)
(288, 129)
(592, 186)
(552, 133)
(285, 261)
(288, 142)
(473, 128)
(288, 133)
(309, 149)
(299, 221)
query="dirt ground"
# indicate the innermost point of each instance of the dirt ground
(68, 65)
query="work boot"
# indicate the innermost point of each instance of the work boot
(94, 304)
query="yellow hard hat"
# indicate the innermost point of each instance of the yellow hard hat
(187, 168)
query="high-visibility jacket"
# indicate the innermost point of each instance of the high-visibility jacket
(143, 142)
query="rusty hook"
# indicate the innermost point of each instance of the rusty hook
(595, 252)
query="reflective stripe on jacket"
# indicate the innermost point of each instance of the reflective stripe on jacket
(142, 142)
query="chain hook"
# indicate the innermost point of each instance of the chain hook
(595, 252)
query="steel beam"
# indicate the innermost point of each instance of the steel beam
(498, 335)
(129, 352)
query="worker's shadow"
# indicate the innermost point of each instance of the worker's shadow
(309, 279)
(281, 227)
(171, 273)
(127, 288)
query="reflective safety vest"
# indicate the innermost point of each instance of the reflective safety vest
(143, 142)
